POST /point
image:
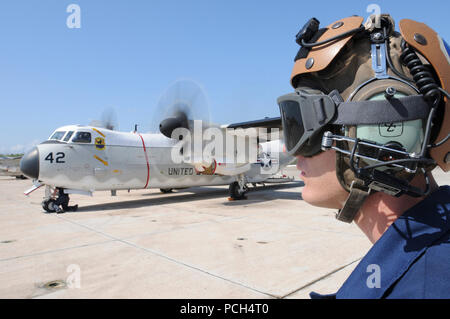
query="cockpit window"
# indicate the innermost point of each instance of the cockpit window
(68, 136)
(58, 135)
(82, 137)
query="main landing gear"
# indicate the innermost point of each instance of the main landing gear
(238, 189)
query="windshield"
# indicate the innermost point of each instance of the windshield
(68, 136)
(58, 135)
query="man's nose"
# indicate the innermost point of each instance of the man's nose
(29, 164)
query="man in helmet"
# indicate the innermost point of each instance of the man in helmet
(368, 121)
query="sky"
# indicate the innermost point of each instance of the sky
(126, 53)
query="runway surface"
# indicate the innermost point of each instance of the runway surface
(193, 243)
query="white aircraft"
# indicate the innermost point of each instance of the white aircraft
(82, 159)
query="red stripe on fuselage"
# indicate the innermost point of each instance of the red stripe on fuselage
(146, 159)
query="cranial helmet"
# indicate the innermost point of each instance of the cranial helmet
(377, 97)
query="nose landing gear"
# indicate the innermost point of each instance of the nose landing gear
(56, 200)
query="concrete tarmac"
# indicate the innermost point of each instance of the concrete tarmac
(193, 243)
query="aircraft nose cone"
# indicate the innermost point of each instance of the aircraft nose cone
(29, 164)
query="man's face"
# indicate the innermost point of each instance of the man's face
(322, 187)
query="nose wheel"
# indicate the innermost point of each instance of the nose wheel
(49, 205)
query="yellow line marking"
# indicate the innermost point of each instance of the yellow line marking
(99, 132)
(103, 161)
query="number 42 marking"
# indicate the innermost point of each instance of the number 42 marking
(59, 158)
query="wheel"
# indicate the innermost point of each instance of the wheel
(235, 191)
(166, 190)
(47, 207)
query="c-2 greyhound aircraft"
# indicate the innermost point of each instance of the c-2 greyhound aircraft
(82, 159)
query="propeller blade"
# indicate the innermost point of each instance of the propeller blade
(108, 120)
(183, 102)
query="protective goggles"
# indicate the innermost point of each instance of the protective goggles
(305, 116)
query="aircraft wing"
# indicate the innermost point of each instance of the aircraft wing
(274, 122)
(272, 125)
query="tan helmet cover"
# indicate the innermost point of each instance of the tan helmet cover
(321, 56)
(430, 45)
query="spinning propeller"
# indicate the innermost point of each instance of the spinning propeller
(180, 105)
(108, 120)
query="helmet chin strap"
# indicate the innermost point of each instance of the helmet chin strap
(355, 200)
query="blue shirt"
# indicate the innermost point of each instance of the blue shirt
(410, 260)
